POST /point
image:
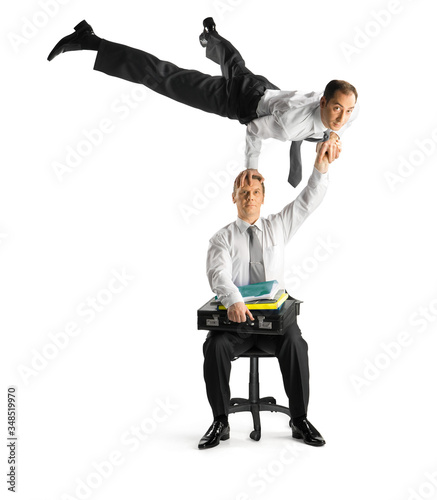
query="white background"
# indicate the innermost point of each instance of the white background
(121, 210)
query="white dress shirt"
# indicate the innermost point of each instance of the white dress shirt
(227, 263)
(287, 116)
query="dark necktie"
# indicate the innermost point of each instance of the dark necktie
(256, 264)
(295, 175)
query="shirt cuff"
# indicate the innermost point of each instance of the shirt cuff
(317, 178)
(251, 163)
(232, 298)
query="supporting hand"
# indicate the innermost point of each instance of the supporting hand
(322, 159)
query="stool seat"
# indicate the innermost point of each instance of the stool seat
(254, 403)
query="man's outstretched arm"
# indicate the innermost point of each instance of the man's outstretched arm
(293, 215)
(257, 130)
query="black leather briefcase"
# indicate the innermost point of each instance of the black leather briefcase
(267, 321)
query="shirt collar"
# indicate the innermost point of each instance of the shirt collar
(242, 225)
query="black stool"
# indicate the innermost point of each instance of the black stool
(255, 404)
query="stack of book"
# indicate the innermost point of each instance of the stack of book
(262, 296)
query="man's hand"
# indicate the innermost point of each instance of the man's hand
(238, 311)
(334, 147)
(322, 159)
(249, 173)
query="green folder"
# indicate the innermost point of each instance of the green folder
(258, 291)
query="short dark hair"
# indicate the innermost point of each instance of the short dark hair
(256, 177)
(339, 85)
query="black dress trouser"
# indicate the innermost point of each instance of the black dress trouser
(220, 348)
(234, 95)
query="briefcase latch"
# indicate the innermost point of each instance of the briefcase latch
(265, 325)
(214, 321)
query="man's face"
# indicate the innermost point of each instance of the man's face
(336, 112)
(249, 200)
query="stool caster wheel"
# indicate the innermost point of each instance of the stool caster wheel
(255, 435)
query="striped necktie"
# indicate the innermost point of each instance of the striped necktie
(256, 264)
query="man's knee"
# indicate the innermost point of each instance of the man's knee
(217, 344)
(293, 335)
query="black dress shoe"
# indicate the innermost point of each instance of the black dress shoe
(78, 40)
(208, 26)
(216, 433)
(305, 430)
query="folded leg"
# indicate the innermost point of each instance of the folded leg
(222, 52)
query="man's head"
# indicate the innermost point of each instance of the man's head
(249, 199)
(337, 104)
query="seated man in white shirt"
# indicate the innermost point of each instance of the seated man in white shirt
(228, 267)
(238, 94)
